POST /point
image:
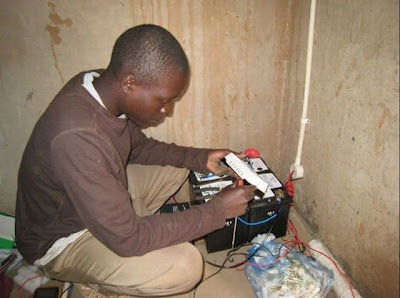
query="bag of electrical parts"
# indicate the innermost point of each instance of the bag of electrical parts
(277, 271)
(266, 214)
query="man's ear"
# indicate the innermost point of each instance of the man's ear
(128, 83)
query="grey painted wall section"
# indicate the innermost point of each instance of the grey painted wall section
(248, 63)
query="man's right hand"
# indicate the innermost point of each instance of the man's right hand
(236, 199)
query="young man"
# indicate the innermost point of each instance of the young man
(75, 217)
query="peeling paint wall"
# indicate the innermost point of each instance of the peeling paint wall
(238, 52)
(247, 61)
(42, 45)
(350, 192)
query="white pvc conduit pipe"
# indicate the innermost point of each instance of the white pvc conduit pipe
(296, 167)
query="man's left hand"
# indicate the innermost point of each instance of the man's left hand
(216, 166)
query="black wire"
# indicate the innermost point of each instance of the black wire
(302, 248)
(229, 254)
(279, 251)
(66, 289)
(229, 267)
(215, 273)
(238, 247)
(228, 259)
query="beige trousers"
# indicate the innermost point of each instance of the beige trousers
(172, 270)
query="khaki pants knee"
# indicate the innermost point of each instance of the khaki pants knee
(171, 270)
(151, 186)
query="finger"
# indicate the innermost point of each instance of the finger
(222, 153)
(250, 189)
(231, 173)
(229, 186)
(224, 170)
(241, 155)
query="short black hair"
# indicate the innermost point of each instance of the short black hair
(147, 52)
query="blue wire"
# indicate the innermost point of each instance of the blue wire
(258, 222)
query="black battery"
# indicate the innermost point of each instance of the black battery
(263, 215)
(174, 207)
(263, 210)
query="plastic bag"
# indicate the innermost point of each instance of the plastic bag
(294, 275)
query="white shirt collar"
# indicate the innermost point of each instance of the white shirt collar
(88, 85)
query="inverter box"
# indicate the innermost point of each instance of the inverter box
(267, 214)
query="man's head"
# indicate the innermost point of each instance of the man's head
(147, 52)
(153, 72)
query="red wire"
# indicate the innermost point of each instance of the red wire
(297, 241)
(248, 263)
(283, 255)
(22, 285)
(239, 268)
(334, 263)
(175, 200)
(290, 190)
(289, 185)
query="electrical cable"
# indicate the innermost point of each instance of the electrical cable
(23, 284)
(337, 267)
(261, 221)
(289, 185)
(215, 273)
(236, 248)
(296, 241)
(258, 222)
(229, 255)
(67, 289)
(227, 267)
(289, 189)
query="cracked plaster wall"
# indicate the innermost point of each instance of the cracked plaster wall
(350, 191)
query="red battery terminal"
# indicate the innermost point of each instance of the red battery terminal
(252, 153)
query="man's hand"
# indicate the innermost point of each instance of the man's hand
(236, 199)
(216, 166)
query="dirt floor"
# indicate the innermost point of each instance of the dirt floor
(227, 283)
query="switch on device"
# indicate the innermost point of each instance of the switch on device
(245, 172)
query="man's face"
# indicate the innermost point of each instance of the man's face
(149, 105)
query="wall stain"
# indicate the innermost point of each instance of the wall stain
(385, 114)
(54, 32)
(338, 89)
(30, 95)
(361, 229)
(56, 19)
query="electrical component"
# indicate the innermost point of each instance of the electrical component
(245, 172)
(266, 213)
(297, 170)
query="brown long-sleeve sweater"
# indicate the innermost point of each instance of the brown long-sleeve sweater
(73, 176)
